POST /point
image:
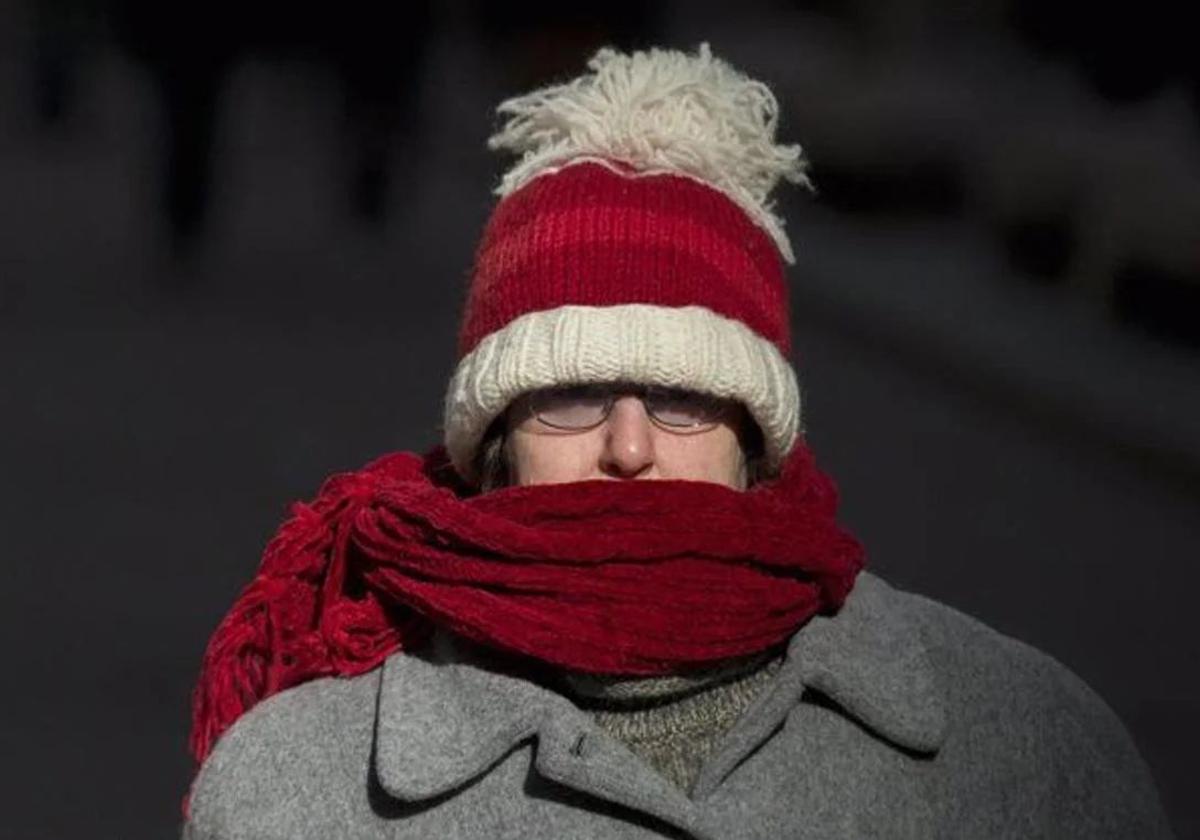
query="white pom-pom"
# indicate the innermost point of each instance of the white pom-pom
(658, 111)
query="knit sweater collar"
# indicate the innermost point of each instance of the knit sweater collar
(869, 661)
(616, 693)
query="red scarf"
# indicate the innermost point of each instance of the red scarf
(609, 577)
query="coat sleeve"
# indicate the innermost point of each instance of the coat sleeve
(290, 767)
(191, 832)
(1034, 751)
(1103, 787)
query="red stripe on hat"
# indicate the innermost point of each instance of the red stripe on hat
(586, 235)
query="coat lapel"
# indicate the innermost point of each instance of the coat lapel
(869, 660)
(441, 721)
(444, 719)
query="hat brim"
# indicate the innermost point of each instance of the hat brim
(683, 347)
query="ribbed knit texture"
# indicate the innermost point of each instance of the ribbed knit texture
(600, 577)
(594, 272)
(674, 723)
(644, 184)
(686, 347)
(589, 236)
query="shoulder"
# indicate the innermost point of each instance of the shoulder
(971, 671)
(983, 672)
(1015, 713)
(980, 667)
(298, 753)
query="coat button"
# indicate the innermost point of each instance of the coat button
(577, 747)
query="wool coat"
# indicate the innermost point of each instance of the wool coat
(898, 717)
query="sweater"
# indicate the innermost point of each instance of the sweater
(673, 723)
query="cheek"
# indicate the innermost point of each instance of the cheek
(715, 457)
(550, 459)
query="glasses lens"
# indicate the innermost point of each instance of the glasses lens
(573, 407)
(683, 409)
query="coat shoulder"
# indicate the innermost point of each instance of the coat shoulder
(980, 667)
(294, 755)
(1016, 712)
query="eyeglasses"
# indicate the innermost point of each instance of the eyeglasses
(582, 407)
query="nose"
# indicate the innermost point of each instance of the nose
(629, 442)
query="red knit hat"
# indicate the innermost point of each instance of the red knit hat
(634, 241)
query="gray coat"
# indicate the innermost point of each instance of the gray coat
(897, 718)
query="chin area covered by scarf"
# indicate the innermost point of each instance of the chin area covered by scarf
(600, 577)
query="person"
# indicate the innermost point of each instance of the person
(616, 602)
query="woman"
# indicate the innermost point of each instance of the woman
(617, 603)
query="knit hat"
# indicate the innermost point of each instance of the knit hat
(634, 241)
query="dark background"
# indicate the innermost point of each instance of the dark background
(234, 239)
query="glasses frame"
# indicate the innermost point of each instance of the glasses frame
(724, 407)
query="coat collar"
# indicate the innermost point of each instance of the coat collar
(444, 717)
(871, 660)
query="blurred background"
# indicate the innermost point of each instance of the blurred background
(234, 239)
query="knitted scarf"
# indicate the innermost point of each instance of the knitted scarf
(605, 577)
